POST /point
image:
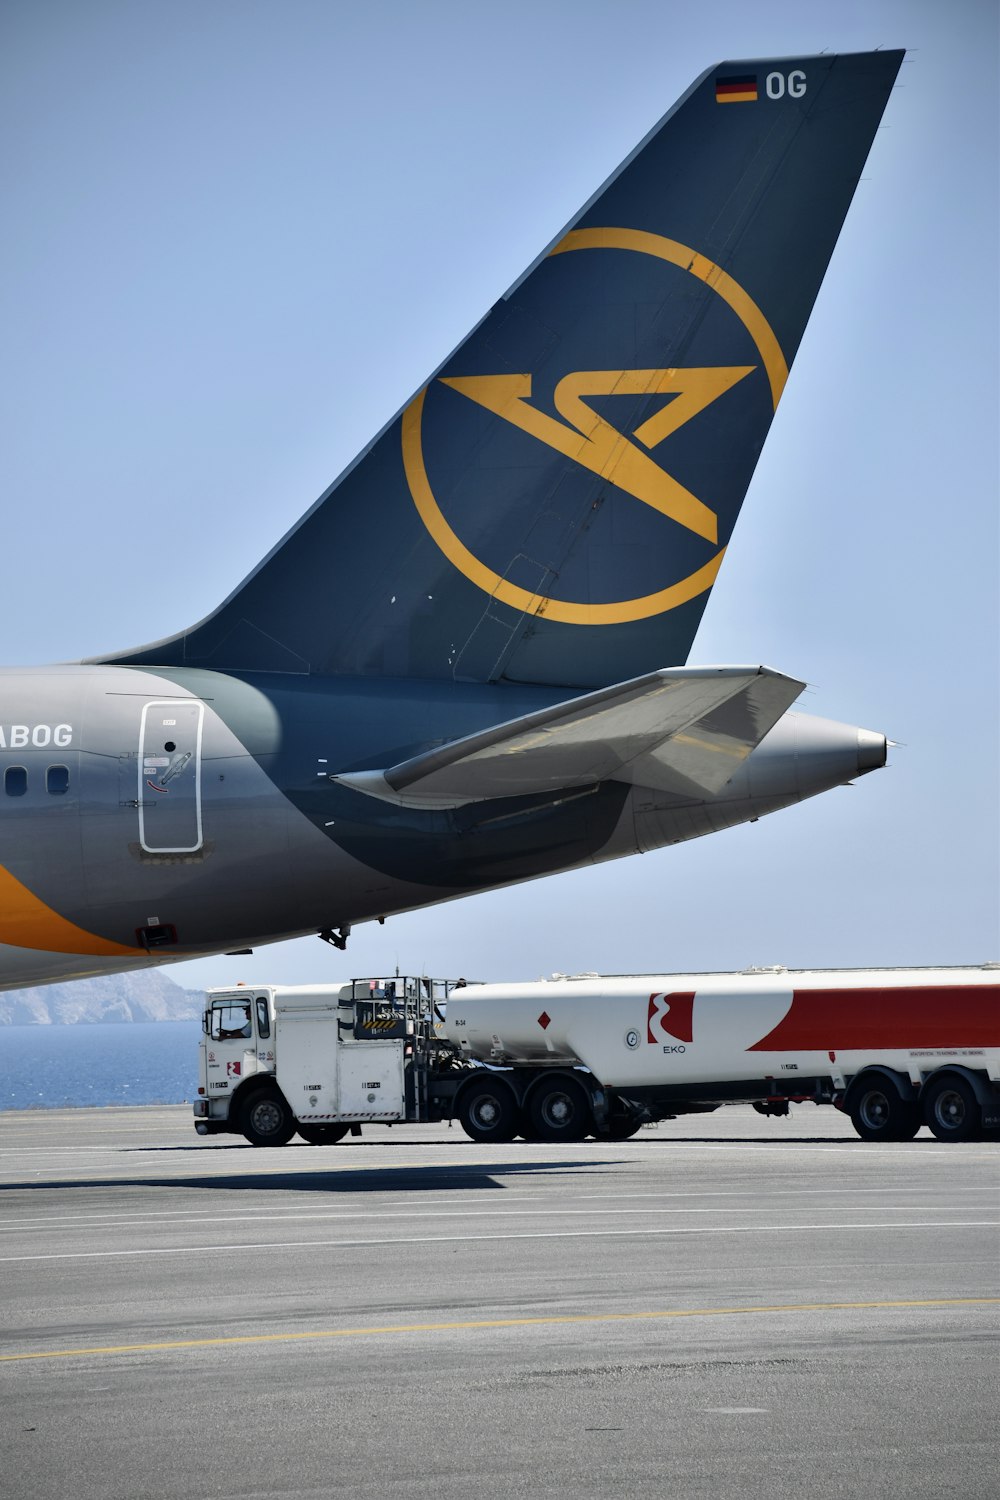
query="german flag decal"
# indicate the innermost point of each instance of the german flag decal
(735, 90)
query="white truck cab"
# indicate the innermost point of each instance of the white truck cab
(318, 1059)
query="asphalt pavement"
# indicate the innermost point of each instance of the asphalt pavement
(727, 1306)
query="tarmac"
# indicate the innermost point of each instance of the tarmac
(725, 1306)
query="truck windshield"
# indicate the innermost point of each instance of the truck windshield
(230, 1019)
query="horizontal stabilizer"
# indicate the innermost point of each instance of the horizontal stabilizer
(684, 729)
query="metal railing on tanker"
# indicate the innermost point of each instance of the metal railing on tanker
(409, 1008)
(398, 1005)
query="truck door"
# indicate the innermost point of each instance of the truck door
(230, 1046)
(169, 776)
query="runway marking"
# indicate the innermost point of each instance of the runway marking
(114, 1217)
(457, 1239)
(738, 1411)
(860, 1151)
(925, 1146)
(302, 1155)
(504, 1210)
(551, 1320)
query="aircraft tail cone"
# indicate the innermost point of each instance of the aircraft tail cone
(873, 750)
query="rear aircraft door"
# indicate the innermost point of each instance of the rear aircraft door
(169, 794)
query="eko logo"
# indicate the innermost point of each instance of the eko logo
(584, 435)
(670, 1017)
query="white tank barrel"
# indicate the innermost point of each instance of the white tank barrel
(645, 1030)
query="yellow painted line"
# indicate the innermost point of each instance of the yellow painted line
(551, 1321)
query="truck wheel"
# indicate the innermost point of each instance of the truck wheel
(952, 1110)
(880, 1113)
(559, 1110)
(321, 1135)
(266, 1119)
(624, 1127)
(488, 1112)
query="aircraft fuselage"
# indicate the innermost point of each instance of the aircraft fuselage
(155, 815)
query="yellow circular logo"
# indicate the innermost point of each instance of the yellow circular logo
(582, 434)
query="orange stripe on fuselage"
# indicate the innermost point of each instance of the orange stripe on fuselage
(26, 922)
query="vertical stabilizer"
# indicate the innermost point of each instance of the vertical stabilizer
(554, 505)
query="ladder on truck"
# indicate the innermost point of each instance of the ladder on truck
(408, 1008)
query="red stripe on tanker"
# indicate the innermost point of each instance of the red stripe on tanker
(853, 1019)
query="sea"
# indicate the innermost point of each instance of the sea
(53, 1067)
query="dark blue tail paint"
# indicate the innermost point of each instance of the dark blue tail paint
(553, 507)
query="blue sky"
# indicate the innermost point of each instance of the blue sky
(240, 235)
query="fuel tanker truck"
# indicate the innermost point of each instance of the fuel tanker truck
(575, 1056)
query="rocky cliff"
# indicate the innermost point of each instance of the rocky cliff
(147, 995)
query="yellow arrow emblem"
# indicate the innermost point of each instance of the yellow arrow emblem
(590, 440)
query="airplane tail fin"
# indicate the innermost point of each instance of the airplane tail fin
(554, 505)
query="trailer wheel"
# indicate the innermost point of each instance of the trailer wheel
(321, 1135)
(266, 1120)
(880, 1113)
(488, 1111)
(952, 1110)
(559, 1110)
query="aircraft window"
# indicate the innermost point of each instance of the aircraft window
(57, 780)
(263, 1019)
(15, 781)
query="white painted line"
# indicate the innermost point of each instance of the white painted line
(56, 1153)
(501, 1210)
(56, 1221)
(851, 1192)
(122, 1216)
(453, 1239)
(738, 1411)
